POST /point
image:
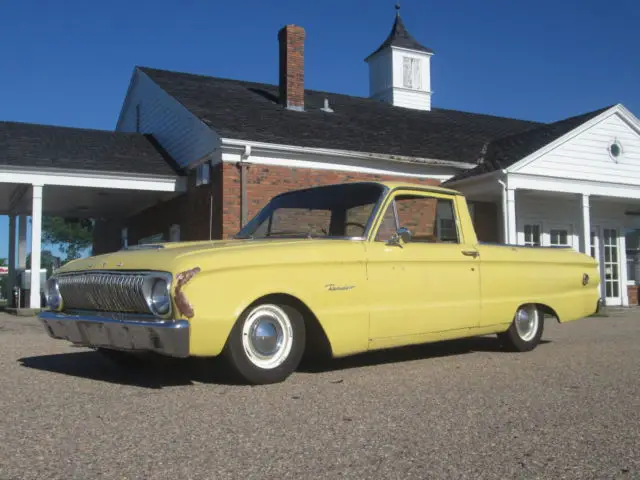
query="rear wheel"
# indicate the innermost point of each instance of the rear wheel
(525, 331)
(266, 343)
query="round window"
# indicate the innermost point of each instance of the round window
(615, 150)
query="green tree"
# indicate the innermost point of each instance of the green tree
(71, 235)
(47, 260)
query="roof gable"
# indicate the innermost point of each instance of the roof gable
(251, 111)
(586, 152)
(506, 151)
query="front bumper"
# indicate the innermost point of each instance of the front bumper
(169, 338)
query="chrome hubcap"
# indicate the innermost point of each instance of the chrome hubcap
(267, 336)
(526, 321)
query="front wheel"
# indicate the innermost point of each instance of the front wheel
(525, 331)
(266, 343)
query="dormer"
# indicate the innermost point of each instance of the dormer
(400, 70)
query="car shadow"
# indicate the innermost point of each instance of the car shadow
(158, 373)
(155, 373)
(406, 354)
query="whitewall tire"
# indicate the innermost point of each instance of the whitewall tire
(266, 343)
(526, 329)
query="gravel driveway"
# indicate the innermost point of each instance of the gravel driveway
(569, 409)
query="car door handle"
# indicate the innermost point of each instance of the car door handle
(470, 253)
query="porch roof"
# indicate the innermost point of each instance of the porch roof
(34, 146)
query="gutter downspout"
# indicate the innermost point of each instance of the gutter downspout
(505, 213)
(243, 185)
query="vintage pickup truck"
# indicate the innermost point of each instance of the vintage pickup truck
(338, 269)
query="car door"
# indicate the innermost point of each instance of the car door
(430, 284)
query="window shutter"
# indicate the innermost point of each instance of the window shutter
(407, 74)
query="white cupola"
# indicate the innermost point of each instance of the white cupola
(400, 70)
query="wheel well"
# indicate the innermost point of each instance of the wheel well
(317, 343)
(547, 310)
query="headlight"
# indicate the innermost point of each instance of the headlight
(52, 294)
(160, 301)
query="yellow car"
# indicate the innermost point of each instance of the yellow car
(337, 270)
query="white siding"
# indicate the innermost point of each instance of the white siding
(179, 132)
(586, 156)
(386, 74)
(403, 97)
(560, 211)
(380, 74)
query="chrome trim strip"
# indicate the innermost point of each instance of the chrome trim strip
(146, 246)
(170, 338)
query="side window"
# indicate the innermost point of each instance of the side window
(430, 219)
(532, 235)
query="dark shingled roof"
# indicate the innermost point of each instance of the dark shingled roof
(504, 152)
(251, 111)
(400, 37)
(46, 146)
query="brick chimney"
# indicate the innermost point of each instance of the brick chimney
(291, 39)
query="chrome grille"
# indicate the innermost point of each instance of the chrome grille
(104, 291)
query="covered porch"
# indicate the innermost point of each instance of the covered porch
(73, 173)
(596, 218)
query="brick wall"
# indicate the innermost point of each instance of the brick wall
(264, 182)
(191, 210)
(221, 199)
(291, 44)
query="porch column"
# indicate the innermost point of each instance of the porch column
(36, 245)
(11, 281)
(586, 224)
(511, 216)
(624, 275)
(22, 241)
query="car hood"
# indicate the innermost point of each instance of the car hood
(176, 256)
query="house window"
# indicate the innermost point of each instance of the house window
(632, 242)
(203, 174)
(532, 235)
(559, 238)
(411, 73)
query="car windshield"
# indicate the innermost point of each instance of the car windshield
(328, 211)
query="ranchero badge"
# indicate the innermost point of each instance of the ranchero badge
(332, 287)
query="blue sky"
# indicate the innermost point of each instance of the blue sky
(69, 62)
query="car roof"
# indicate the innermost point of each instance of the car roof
(390, 185)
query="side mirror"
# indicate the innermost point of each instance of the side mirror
(402, 235)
